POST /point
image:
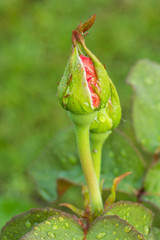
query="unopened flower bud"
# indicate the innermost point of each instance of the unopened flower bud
(85, 85)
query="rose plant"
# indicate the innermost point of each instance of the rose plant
(92, 102)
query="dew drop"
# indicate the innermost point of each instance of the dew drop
(55, 226)
(102, 118)
(146, 230)
(28, 224)
(140, 237)
(37, 228)
(61, 219)
(67, 224)
(128, 228)
(95, 150)
(101, 235)
(51, 234)
(47, 222)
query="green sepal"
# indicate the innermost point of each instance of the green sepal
(73, 90)
(102, 122)
(114, 108)
(109, 117)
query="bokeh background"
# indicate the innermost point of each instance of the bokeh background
(35, 42)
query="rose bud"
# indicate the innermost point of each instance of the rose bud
(109, 117)
(85, 85)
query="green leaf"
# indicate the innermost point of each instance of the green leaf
(11, 206)
(112, 228)
(65, 227)
(60, 160)
(23, 223)
(136, 214)
(56, 227)
(155, 210)
(151, 185)
(120, 156)
(144, 78)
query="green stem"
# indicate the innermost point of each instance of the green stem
(97, 141)
(82, 124)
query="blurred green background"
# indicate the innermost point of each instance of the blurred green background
(35, 42)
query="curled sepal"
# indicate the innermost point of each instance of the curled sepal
(74, 209)
(87, 25)
(109, 117)
(111, 198)
(73, 91)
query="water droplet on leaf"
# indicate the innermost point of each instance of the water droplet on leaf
(28, 224)
(146, 230)
(51, 234)
(47, 222)
(140, 237)
(101, 235)
(61, 219)
(128, 228)
(55, 226)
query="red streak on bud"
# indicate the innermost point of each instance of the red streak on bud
(91, 79)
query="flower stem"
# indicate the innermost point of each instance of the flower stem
(97, 141)
(82, 124)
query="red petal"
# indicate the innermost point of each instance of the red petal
(91, 79)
